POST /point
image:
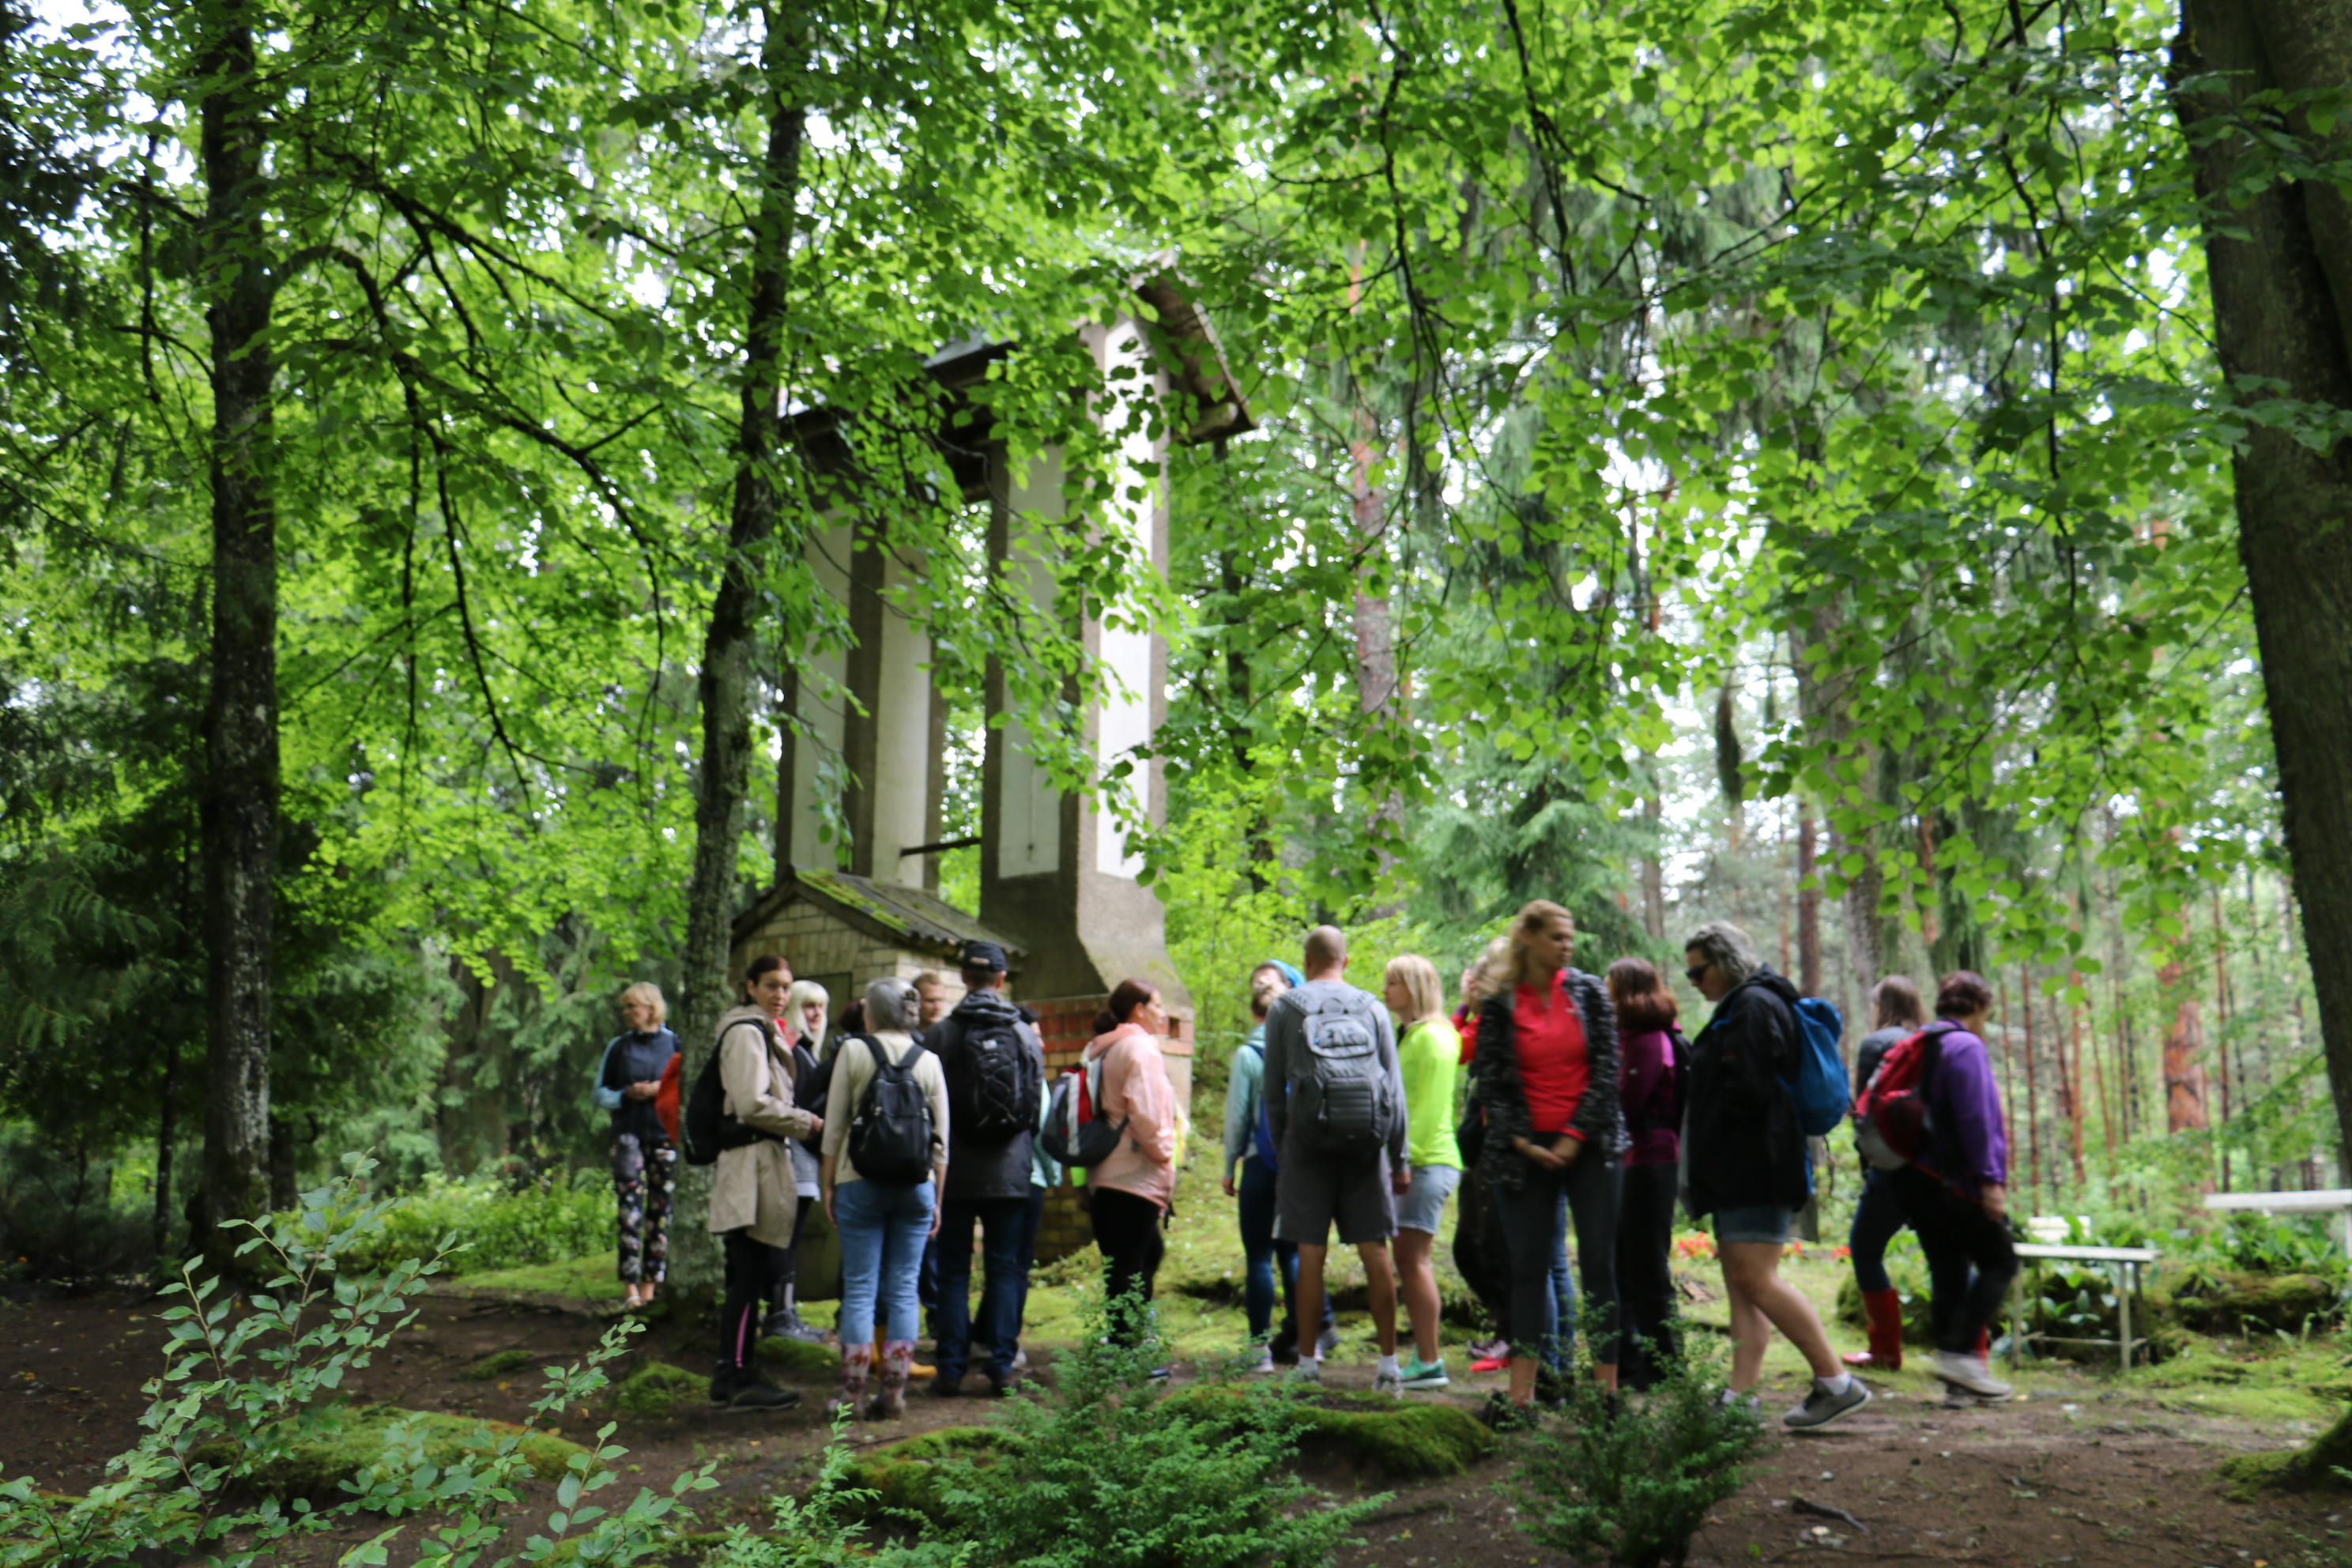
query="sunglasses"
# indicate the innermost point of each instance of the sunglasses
(1691, 974)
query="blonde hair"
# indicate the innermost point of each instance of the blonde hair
(1419, 978)
(804, 991)
(1532, 917)
(1486, 974)
(646, 994)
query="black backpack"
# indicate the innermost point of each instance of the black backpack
(890, 1137)
(994, 1080)
(704, 1127)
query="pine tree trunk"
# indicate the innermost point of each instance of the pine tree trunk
(240, 807)
(2279, 265)
(729, 640)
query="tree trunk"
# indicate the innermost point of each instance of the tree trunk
(2184, 1043)
(1377, 686)
(2280, 264)
(1809, 908)
(240, 807)
(724, 684)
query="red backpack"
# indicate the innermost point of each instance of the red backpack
(1891, 1124)
(666, 1097)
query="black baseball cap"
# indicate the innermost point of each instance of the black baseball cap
(983, 955)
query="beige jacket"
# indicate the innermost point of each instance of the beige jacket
(752, 1187)
(853, 1069)
(1136, 1090)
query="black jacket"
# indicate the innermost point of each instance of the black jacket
(1741, 1145)
(1495, 1089)
(638, 1056)
(997, 1169)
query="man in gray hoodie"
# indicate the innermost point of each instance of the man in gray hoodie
(1335, 1104)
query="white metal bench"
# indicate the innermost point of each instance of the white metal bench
(2128, 1260)
(2331, 1200)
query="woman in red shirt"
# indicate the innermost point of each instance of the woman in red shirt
(1546, 1079)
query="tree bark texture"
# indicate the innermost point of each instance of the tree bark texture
(240, 809)
(730, 640)
(1376, 683)
(2280, 272)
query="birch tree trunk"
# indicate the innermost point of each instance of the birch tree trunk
(729, 640)
(240, 807)
(2280, 264)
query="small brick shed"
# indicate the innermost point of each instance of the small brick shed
(843, 930)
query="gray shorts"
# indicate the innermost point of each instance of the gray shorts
(1423, 1204)
(1311, 1194)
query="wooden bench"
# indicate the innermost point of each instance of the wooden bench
(2130, 1260)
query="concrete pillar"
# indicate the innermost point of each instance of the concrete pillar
(1055, 873)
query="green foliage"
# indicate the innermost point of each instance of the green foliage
(497, 1363)
(654, 1389)
(826, 1526)
(486, 1224)
(1113, 1473)
(246, 1407)
(1632, 1486)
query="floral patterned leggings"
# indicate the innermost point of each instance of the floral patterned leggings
(644, 1174)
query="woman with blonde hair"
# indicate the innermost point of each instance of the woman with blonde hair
(1547, 1081)
(803, 1023)
(1428, 1053)
(644, 1160)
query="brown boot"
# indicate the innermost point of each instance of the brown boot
(855, 1360)
(891, 1402)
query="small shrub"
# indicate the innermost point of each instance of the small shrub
(491, 1224)
(1113, 1473)
(824, 1527)
(1632, 1489)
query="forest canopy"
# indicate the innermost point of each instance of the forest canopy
(1872, 472)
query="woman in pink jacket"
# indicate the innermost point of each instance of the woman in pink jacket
(1128, 1194)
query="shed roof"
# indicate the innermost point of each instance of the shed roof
(906, 916)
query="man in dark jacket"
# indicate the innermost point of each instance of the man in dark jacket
(1744, 1162)
(994, 1064)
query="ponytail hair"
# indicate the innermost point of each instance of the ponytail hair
(1130, 994)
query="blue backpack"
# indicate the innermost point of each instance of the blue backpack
(1262, 1133)
(1820, 1088)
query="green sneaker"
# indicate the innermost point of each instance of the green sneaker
(1420, 1374)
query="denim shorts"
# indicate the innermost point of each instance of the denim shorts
(1423, 1203)
(1753, 1222)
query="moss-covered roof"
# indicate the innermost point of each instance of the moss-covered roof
(906, 916)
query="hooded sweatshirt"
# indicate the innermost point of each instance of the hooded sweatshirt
(983, 1168)
(1135, 1090)
(1741, 1144)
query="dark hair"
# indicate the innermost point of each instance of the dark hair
(977, 976)
(766, 963)
(852, 1017)
(1963, 991)
(1643, 1000)
(1130, 994)
(1895, 1004)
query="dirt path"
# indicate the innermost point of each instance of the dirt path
(2083, 1472)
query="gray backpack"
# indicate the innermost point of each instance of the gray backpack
(1341, 1095)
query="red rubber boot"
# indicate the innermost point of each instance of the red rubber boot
(1884, 1309)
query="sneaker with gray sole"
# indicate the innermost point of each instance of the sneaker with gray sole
(1822, 1407)
(1969, 1374)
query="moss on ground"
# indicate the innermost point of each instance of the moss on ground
(903, 1476)
(2227, 1301)
(588, 1278)
(2319, 1465)
(654, 1390)
(797, 1355)
(1398, 1440)
(497, 1363)
(346, 1441)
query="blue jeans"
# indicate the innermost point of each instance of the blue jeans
(1266, 1255)
(1877, 1216)
(999, 1222)
(883, 1225)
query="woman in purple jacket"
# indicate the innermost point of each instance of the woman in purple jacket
(1957, 1195)
(1649, 1061)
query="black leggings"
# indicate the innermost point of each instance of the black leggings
(1126, 1228)
(1959, 1239)
(755, 1272)
(1530, 1216)
(1645, 1276)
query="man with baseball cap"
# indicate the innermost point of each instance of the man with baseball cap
(994, 1063)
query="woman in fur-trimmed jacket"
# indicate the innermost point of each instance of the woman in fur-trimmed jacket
(1546, 1077)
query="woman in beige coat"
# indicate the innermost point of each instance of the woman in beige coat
(752, 1196)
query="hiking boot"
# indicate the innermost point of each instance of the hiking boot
(1822, 1407)
(1284, 1350)
(856, 1361)
(788, 1325)
(1970, 1373)
(889, 1402)
(1419, 1374)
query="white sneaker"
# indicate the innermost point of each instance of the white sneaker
(1258, 1361)
(1389, 1383)
(1969, 1372)
(1306, 1372)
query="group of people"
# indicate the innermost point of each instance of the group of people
(1582, 1108)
